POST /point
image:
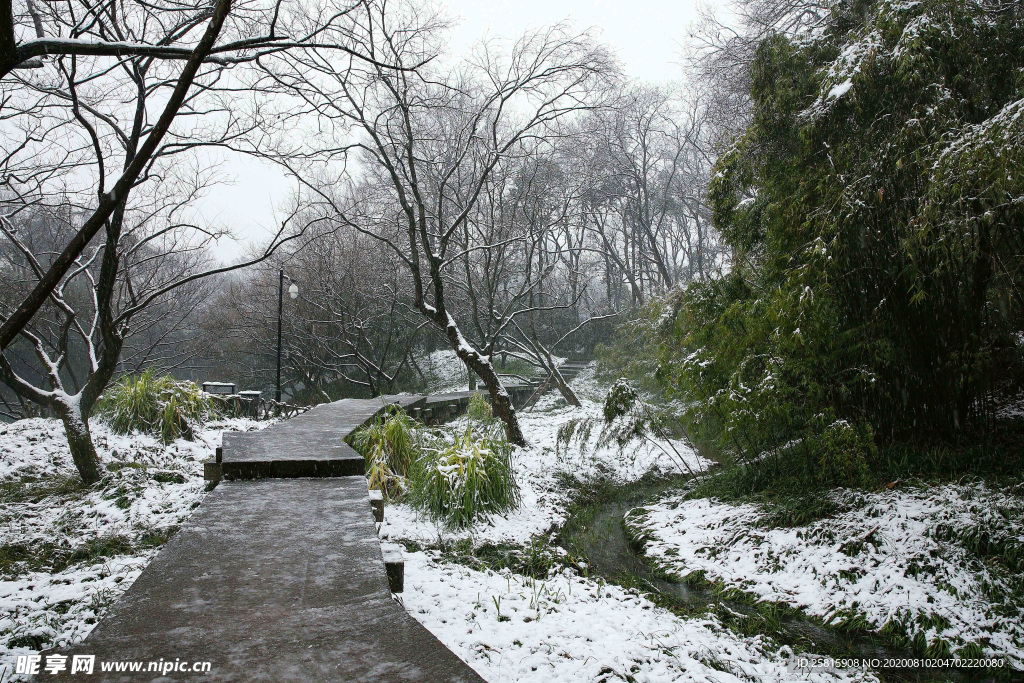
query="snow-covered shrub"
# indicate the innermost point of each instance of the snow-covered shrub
(843, 451)
(873, 208)
(621, 399)
(162, 406)
(391, 446)
(466, 478)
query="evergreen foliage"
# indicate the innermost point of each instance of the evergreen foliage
(162, 406)
(875, 208)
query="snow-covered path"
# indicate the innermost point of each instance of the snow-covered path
(565, 627)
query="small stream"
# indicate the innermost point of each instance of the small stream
(595, 532)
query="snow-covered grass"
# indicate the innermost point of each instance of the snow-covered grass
(570, 628)
(924, 562)
(67, 551)
(919, 558)
(537, 469)
(511, 627)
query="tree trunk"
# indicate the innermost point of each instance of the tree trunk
(549, 362)
(567, 393)
(8, 44)
(76, 427)
(501, 402)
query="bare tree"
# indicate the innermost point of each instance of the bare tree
(430, 143)
(108, 202)
(719, 53)
(77, 339)
(356, 323)
(86, 117)
(536, 270)
(108, 47)
(651, 157)
(352, 330)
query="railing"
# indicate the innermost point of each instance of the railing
(528, 381)
(257, 407)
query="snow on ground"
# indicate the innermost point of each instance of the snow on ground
(39, 610)
(68, 552)
(569, 628)
(544, 502)
(446, 371)
(893, 555)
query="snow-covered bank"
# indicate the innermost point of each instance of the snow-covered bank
(538, 468)
(895, 557)
(67, 552)
(569, 628)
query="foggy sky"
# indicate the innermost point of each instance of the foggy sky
(646, 36)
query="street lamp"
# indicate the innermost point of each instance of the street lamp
(293, 292)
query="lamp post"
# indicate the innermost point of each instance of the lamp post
(293, 292)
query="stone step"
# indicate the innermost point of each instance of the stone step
(377, 504)
(394, 564)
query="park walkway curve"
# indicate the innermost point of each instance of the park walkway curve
(279, 575)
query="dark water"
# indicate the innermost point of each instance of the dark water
(596, 533)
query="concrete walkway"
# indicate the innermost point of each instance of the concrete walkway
(276, 579)
(308, 445)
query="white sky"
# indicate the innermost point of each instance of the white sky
(646, 35)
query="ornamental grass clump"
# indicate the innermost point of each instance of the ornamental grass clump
(162, 406)
(480, 409)
(466, 478)
(391, 445)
